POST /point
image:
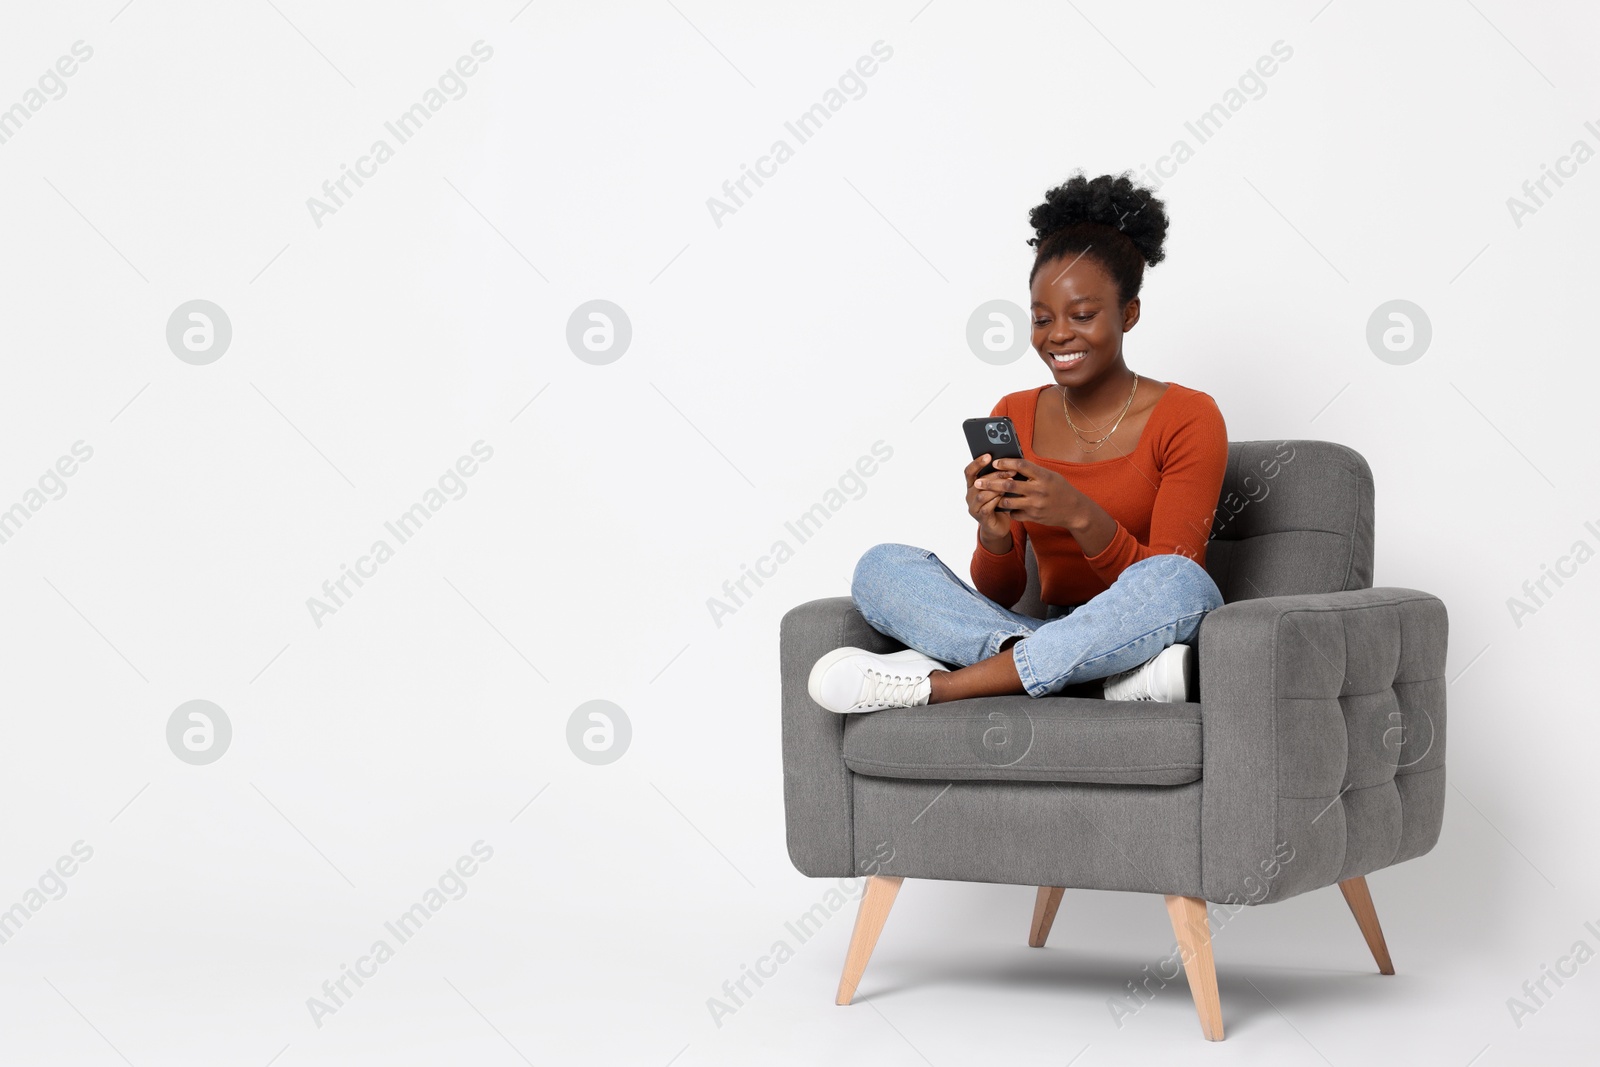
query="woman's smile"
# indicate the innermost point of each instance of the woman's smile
(1076, 329)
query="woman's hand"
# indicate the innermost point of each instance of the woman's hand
(994, 525)
(1044, 497)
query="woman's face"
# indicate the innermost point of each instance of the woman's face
(1076, 314)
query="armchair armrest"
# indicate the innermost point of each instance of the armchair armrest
(816, 782)
(1323, 725)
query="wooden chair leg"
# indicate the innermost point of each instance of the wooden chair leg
(1044, 914)
(1360, 901)
(1191, 922)
(870, 917)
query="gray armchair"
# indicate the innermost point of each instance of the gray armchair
(1314, 754)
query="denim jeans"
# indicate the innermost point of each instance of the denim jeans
(909, 594)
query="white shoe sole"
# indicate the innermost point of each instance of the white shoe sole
(909, 656)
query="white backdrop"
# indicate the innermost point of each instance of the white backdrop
(408, 741)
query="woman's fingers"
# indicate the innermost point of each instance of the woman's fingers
(995, 480)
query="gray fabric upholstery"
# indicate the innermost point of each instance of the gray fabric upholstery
(1145, 839)
(1023, 739)
(817, 785)
(1321, 728)
(1292, 517)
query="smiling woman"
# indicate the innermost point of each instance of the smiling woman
(1117, 486)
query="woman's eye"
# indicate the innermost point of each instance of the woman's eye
(1084, 318)
(1040, 322)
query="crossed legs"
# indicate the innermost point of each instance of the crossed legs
(910, 594)
(994, 676)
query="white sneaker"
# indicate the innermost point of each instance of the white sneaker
(1169, 677)
(850, 679)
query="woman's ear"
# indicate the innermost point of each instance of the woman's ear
(1130, 314)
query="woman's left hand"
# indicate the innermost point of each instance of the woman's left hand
(1046, 498)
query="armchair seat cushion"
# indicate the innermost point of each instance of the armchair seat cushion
(1018, 738)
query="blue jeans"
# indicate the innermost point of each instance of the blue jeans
(909, 594)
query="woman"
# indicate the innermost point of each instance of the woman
(1116, 490)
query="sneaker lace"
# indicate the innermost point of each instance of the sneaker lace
(884, 687)
(1138, 678)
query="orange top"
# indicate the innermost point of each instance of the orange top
(1163, 495)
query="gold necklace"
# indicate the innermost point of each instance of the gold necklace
(1084, 441)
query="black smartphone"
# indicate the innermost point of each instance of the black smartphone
(996, 435)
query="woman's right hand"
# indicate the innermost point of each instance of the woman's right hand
(994, 525)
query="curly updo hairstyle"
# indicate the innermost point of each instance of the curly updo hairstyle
(1110, 219)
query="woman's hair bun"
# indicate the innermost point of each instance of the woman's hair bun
(1113, 201)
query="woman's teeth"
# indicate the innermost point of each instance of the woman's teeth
(1067, 359)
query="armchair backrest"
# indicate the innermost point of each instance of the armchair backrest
(1292, 517)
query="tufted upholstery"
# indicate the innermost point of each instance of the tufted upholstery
(1324, 736)
(1322, 715)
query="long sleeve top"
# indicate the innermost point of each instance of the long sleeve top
(1163, 496)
